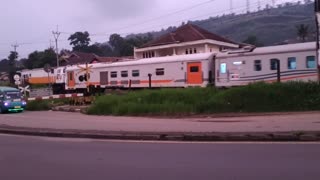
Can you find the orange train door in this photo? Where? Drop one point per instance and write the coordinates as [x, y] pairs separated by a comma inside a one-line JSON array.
[[194, 73], [71, 80]]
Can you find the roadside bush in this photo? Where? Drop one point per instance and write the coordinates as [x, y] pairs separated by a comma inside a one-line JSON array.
[[259, 97], [39, 105], [45, 105]]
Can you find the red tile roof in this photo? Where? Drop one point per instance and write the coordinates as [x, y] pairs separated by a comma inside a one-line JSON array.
[[83, 58], [186, 33]]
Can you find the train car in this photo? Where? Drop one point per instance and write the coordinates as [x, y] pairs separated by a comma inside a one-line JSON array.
[[297, 63], [37, 76], [170, 71], [55, 78]]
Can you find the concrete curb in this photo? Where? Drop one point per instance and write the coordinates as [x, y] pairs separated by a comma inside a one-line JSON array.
[[165, 136]]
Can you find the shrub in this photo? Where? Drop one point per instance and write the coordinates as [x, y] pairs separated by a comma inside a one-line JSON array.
[[259, 97]]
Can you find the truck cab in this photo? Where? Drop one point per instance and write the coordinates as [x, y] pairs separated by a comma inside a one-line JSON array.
[[11, 100]]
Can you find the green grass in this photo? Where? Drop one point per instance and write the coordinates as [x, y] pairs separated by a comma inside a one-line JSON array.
[[260, 97], [45, 105]]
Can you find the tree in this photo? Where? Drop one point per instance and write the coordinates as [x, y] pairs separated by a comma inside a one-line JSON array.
[[302, 31], [120, 46], [38, 59], [253, 40], [80, 41]]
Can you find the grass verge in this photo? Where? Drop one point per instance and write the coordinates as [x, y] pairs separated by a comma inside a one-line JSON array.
[[45, 105], [260, 97]]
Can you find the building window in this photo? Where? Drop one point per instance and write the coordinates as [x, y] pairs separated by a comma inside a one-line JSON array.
[[160, 72], [257, 65], [311, 62], [187, 52], [135, 73], [144, 55], [114, 74], [153, 54], [124, 73], [223, 68], [273, 64], [190, 50], [194, 69], [195, 50], [292, 63]]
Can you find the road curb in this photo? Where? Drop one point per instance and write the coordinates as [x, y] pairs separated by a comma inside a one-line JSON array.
[[166, 136]]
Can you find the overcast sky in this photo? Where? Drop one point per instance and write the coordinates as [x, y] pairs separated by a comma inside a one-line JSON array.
[[30, 22]]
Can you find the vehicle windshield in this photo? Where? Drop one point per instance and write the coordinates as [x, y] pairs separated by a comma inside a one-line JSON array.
[[13, 95]]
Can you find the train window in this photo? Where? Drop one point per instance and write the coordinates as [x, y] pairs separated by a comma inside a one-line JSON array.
[[311, 62], [223, 68], [273, 64], [292, 63], [135, 73], [194, 69], [114, 74], [160, 72], [257, 65], [124, 73], [195, 50]]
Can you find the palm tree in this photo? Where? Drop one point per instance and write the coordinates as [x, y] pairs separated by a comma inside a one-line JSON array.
[[302, 31]]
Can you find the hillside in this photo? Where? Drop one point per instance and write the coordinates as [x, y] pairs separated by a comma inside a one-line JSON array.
[[271, 25]]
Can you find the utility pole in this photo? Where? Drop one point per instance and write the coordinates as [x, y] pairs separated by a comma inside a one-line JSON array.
[[317, 14], [231, 6], [56, 35], [248, 6], [15, 46], [274, 3]]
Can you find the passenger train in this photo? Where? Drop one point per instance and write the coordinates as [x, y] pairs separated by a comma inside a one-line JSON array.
[[224, 69]]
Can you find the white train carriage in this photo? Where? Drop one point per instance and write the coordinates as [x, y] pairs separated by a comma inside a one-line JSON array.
[[37, 76], [170, 71], [297, 63], [56, 78]]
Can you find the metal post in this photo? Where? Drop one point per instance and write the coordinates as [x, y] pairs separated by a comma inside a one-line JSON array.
[[278, 71], [150, 75], [317, 14]]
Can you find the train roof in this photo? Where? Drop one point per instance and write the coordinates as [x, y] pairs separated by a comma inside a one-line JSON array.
[[166, 59], [5, 88], [309, 46]]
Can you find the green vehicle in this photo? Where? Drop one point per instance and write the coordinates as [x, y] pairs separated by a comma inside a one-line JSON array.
[[11, 100]]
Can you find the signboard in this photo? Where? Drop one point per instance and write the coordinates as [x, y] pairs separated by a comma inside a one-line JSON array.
[[17, 83], [16, 77]]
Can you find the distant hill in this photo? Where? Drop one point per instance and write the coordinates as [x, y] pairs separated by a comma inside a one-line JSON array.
[[270, 26]]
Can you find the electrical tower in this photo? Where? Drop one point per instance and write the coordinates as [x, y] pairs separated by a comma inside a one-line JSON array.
[[56, 35]]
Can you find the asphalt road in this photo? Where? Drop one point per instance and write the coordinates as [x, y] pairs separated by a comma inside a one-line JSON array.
[[50, 159], [304, 121]]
